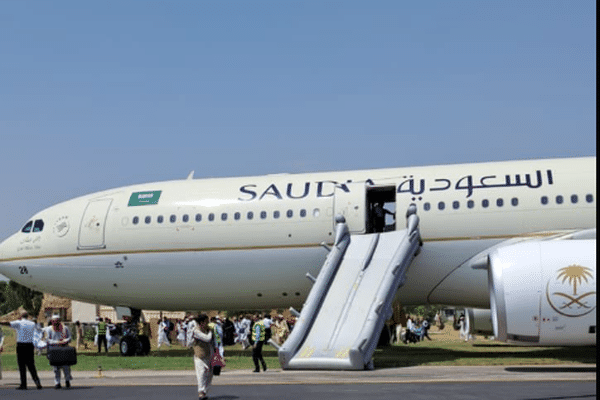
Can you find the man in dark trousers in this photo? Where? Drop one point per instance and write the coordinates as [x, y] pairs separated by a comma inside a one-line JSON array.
[[101, 334], [25, 330], [258, 337]]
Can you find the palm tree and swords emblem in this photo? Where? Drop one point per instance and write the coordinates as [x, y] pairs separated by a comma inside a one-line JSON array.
[[572, 305]]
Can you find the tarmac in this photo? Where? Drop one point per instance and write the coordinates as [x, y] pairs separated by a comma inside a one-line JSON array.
[[418, 374]]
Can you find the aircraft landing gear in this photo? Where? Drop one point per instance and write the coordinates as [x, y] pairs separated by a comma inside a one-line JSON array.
[[132, 342], [138, 345]]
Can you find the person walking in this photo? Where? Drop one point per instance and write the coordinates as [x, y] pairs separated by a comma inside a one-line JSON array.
[[203, 345], [425, 329], [163, 333], [25, 330], [258, 337], [59, 335]]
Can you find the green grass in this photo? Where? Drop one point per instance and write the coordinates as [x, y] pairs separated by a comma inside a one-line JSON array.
[[173, 359], [440, 351]]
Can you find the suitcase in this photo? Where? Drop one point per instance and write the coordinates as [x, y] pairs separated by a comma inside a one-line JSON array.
[[59, 355]]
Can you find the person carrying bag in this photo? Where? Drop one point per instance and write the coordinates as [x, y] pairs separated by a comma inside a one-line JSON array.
[[60, 355]]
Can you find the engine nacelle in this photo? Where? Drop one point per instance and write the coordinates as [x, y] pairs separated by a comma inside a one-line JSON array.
[[480, 321], [544, 293]]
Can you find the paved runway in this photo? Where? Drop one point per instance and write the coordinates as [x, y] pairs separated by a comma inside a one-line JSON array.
[[412, 391], [415, 383]]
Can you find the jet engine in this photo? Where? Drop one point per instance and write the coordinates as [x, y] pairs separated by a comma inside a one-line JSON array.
[[480, 321], [544, 293]]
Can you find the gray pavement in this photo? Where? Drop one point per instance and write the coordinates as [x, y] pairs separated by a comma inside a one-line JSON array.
[[420, 374]]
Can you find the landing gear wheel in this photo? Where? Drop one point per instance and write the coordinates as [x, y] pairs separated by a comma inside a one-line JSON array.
[[127, 346], [143, 345]]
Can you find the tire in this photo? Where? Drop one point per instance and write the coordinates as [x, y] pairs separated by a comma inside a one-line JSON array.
[[127, 346], [143, 347]]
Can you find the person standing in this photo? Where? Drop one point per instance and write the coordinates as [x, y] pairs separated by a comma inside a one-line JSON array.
[[59, 335], [25, 330], [379, 213], [79, 332], [268, 323], [204, 349], [258, 338], [217, 328], [463, 322], [101, 334], [244, 331], [1, 350]]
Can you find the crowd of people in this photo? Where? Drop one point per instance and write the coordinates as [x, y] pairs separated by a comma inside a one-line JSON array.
[[206, 336]]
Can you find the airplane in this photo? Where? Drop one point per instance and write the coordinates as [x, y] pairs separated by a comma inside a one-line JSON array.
[[515, 237]]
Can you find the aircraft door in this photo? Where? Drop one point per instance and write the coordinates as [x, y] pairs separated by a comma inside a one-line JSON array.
[[93, 223], [350, 201]]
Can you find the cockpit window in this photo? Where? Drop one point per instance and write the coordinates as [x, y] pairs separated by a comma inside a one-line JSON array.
[[27, 227], [38, 226]]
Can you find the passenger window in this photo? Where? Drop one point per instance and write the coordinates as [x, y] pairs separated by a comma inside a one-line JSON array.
[[198, 217], [135, 220], [148, 219], [514, 201], [173, 218], [559, 199], [224, 217], [441, 206], [275, 214], [456, 205], [27, 227], [426, 206], [499, 202], [485, 203], [470, 204], [250, 215], [186, 218], [211, 217], [574, 199], [544, 200], [263, 215], [290, 213], [589, 198], [316, 213], [160, 219], [237, 216], [302, 213]]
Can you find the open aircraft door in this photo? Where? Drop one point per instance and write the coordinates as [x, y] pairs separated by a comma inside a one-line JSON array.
[[93, 224], [350, 201]]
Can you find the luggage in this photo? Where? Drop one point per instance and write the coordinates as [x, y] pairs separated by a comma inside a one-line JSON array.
[[217, 363], [62, 355]]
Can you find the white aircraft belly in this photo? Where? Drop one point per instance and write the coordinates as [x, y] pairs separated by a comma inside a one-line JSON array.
[[249, 279], [254, 279]]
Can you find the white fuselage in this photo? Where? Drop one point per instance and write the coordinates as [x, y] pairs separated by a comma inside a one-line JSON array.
[[247, 243]]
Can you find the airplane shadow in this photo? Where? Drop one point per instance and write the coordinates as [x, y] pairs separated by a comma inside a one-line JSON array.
[[551, 369], [414, 355]]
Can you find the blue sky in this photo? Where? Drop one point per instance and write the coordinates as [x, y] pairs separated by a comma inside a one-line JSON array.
[[95, 95]]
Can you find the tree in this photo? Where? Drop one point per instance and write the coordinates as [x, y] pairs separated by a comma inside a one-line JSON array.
[[427, 311], [15, 295]]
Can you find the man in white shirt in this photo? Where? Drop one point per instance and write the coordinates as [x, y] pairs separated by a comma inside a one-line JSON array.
[[25, 330]]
